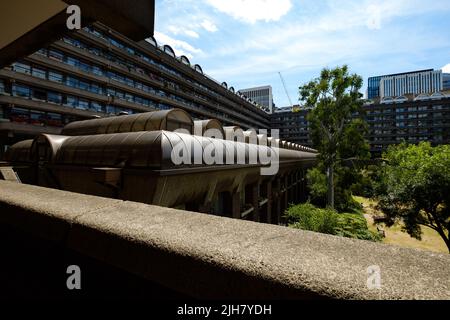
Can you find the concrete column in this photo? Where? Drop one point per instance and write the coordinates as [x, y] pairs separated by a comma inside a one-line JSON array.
[[276, 211], [232, 205], [252, 197], [269, 202]]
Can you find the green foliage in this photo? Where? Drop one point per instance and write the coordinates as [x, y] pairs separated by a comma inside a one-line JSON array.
[[309, 217], [414, 187], [337, 129], [354, 225], [335, 100], [317, 185]]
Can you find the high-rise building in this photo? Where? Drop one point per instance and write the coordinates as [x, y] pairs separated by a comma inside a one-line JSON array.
[[446, 81], [261, 95], [96, 72], [415, 82]]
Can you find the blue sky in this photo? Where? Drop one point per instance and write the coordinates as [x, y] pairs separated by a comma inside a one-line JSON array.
[[247, 42]]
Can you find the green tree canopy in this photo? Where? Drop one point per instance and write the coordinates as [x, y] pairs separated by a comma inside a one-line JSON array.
[[415, 187], [336, 123]]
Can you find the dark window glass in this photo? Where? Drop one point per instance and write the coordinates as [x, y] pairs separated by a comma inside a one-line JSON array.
[[39, 94], [19, 115], [83, 104], [95, 106], [84, 67], [83, 85], [37, 118], [96, 89], [72, 61], [2, 86], [54, 120], [57, 55], [129, 97], [21, 91], [97, 70], [110, 109], [55, 76], [22, 68], [72, 82], [40, 73], [71, 101], [54, 97]]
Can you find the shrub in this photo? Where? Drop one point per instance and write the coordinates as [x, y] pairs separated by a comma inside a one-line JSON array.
[[309, 217]]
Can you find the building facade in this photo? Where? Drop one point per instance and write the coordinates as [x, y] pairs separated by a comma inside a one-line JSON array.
[[417, 82], [292, 124], [410, 119], [96, 72], [261, 95]]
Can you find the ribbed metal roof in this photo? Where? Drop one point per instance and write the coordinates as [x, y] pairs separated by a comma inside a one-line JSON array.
[[149, 121], [154, 149], [210, 124]]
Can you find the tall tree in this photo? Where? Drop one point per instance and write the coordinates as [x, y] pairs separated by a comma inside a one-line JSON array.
[[336, 122], [415, 187]]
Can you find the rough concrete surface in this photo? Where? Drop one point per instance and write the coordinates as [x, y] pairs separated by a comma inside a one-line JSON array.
[[206, 256]]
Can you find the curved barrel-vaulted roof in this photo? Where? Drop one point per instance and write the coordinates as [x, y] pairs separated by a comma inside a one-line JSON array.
[[210, 124], [198, 68], [168, 49], [185, 60], [45, 147], [155, 150], [149, 121], [19, 152]]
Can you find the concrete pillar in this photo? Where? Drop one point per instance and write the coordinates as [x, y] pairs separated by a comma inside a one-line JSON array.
[[252, 197], [276, 211], [232, 204], [269, 201]]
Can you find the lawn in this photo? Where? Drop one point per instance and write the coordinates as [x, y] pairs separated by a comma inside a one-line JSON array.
[[430, 239]]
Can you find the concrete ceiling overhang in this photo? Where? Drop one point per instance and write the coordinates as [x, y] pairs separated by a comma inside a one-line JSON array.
[[27, 25]]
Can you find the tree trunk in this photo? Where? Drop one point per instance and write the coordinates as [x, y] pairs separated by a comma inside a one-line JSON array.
[[330, 187]]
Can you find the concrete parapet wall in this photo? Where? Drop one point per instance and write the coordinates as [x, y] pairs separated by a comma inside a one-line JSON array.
[[205, 256]]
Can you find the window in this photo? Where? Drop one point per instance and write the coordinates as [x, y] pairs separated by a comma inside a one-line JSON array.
[[72, 61], [37, 118], [56, 55], [21, 91], [110, 109], [83, 85], [55, 76], [19, 115], [42, 51], [22, 68], [84, 67], [129, 97], [71, 101], [72, 82], [39, 94], [54, 120], [95, 88], [95, 106], [40, 73], [129, 82], [97, 70], [2, 86], [83, 104], [54, 97]]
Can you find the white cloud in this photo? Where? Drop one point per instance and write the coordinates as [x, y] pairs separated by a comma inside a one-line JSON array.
[[209, 26], [446, 68], [180, 47], [182, 31], [252, 11]]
